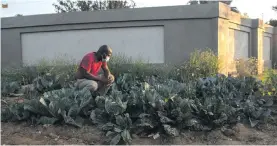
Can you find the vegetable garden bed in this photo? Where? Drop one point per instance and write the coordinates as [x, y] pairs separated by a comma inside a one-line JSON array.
[[161, 109]]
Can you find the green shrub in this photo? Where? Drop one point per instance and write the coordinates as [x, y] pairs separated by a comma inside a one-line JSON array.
[[122, 64], [269, 79], [58, 65], [247, 67], [23, 75], [62, 69], [200, 64]]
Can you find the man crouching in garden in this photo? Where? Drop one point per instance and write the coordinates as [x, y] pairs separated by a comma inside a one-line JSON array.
[[87, 74]]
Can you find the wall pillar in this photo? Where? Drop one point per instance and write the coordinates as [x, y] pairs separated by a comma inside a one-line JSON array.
[[222, 45], [257, 43], [274, 48]]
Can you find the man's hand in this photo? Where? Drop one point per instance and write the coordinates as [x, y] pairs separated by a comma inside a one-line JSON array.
[[104, 80], [108, 80], [106, 70], [111, 79], [88, 75]]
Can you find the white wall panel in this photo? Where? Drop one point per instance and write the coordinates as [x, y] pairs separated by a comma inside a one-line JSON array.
[[137, 42], [267, 52], [241, 50], [266, 48]]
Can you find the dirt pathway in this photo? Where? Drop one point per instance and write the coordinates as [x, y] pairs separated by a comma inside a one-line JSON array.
[[24, 133]]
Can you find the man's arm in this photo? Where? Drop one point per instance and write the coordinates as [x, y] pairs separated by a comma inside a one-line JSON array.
[[88, 75], [85, 68], [106, 70]]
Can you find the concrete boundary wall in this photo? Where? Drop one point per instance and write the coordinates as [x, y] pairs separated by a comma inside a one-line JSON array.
[[274, 46], [250, 40], [122, 15], [184, 28]]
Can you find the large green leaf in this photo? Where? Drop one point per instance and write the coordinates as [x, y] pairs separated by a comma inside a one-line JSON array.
[[99, 116], [47, 120], [70, 120], [115, 139], [36, 107], [114, 105], [15, 112], [8, 88], [170, 131], [126, 136]]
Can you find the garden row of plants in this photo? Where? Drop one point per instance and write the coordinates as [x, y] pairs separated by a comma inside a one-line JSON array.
[[145, 99]]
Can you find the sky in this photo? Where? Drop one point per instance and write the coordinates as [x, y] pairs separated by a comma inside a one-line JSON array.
[[254, 8]]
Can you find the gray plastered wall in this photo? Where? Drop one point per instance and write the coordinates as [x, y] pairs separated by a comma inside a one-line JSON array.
[[185, 28]]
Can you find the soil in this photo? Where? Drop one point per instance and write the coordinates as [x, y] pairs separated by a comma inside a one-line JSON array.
[[23, 133], [26, 134]]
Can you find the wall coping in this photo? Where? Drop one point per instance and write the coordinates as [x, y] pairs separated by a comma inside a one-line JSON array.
[[238, 18], [269, 29], [205, 11], [119, 15]]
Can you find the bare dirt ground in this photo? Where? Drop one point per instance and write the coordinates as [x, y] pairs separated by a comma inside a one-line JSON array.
[[24, 133]]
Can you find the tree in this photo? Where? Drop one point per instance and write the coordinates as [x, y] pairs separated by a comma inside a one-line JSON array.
[[17, 15], [63, 6], [193, 2], [274, 8], [273, 22]]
